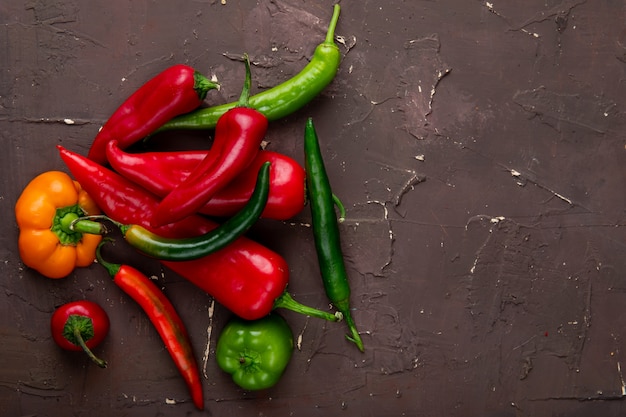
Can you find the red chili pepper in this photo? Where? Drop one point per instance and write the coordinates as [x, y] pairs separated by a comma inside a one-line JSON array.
[[176, 90], [238, 136], [161, 172], [165, 319], [245, 277]]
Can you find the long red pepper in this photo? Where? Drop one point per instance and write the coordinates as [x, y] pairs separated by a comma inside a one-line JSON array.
[[238, 136], [161, 172], [165, 319], [245, 277], [176, 90]]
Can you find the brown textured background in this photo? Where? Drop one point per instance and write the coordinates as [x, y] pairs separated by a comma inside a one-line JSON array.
[[479, 148]]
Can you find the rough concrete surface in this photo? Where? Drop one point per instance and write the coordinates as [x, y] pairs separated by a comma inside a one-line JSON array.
[[479, 148]]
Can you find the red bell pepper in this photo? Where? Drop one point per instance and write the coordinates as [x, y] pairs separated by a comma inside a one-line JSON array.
[[238, 136], [161, 172], [245, 277], [176, 90]]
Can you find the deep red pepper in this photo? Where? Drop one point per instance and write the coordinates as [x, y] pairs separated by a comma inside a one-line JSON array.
[[80, 325], [165, 319], [161, 172], [245, 277], [176, 90], [238, 136]]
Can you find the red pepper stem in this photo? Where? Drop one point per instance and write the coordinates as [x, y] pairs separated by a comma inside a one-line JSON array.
[[111, 267], [202, 85], [79, 338], [287, 301], [244, 99]]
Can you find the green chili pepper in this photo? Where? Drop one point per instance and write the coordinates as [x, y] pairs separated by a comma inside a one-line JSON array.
[[283, 99], [255, 353], [326, 231], [185, 249]]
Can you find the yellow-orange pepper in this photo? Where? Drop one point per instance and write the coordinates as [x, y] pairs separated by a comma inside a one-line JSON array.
[[51, 241]]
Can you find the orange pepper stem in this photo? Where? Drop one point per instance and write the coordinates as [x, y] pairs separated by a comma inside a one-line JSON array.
[[69, 228]]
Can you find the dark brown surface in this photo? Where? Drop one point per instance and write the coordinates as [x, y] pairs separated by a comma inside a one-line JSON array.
[[479, 148]]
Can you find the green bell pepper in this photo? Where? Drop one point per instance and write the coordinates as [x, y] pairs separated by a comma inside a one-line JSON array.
[[255, 352]]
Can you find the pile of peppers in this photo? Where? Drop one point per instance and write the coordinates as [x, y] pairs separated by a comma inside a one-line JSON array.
[[190, 210]]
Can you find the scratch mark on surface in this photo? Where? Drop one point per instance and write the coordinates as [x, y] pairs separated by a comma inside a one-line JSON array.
[[301, 335], [621, 378], [419, 83], [207, 349], [491, 8], [561, 9], [577, 109], [522, 180], [493, 221]]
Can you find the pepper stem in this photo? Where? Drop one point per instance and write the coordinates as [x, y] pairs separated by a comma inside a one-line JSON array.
[[287, 301], [202, 85], [111, 267], [65, 220], [244, 99], [341, 208], [330, 34], [81, 327], [71, 222], [354, 335]]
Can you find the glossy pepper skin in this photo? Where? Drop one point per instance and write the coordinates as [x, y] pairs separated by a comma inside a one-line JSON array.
[[161, 172], [245, 277], [48, 241], [326, 231], [80, 325], [186, 249], [237, 141], [283, 99], [176, 90], [165, 319], [255, 353]]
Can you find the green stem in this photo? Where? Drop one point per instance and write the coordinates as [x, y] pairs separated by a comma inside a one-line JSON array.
[[354, 335], [202, 85], [286, 301], [79, 338], [330, 34], [111, 268], [341, 208], [244, 99], [71, 222]]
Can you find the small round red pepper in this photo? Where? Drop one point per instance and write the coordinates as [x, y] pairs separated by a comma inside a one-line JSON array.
[[80, 325]]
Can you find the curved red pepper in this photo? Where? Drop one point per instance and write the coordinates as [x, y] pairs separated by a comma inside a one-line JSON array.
[[238, 136], [176, 90], [245, 277], [165, 319], [161, 172]]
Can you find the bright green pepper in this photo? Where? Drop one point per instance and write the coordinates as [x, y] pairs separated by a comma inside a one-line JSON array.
[[255, 352]]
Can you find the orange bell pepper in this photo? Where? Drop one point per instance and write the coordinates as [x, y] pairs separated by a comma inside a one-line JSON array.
[[51, 240]]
